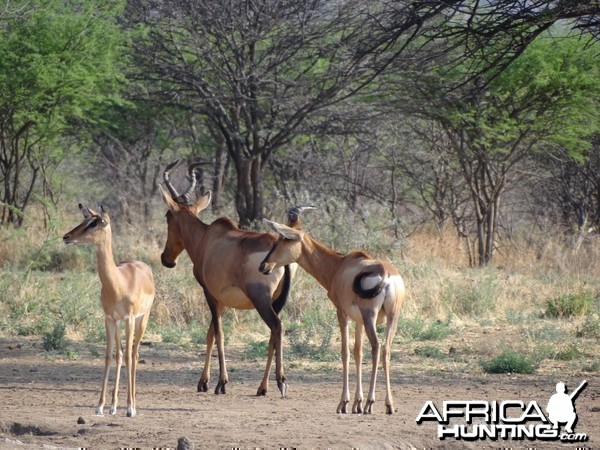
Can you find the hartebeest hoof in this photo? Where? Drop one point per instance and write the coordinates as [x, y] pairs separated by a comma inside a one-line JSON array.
[[203, 386], [357, 406], [220, 389], [342, 407], [282, 388]]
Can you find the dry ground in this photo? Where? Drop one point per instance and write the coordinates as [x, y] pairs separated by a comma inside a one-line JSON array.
[[42, 399]]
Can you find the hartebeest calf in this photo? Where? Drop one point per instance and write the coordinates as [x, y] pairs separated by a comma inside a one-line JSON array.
[[225, 260], [361, 288]]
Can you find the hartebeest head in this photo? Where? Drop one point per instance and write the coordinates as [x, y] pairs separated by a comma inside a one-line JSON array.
[[286, 250], [179, 204], [93, 230]]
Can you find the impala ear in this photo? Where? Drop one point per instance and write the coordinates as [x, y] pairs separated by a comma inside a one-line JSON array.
[[284, 230], [87, 213], [103, 214]]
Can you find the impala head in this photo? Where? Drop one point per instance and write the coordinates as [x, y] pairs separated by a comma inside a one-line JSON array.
[[92, 230], [179, 205], [286, 250]]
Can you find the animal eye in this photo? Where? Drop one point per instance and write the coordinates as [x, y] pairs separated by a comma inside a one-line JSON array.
[[92, 224]]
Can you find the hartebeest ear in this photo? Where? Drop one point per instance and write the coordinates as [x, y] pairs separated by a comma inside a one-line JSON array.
[[201, 203], [172, 204], [284, 230]]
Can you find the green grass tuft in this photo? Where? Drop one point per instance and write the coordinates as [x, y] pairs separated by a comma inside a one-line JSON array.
[[508, 362]]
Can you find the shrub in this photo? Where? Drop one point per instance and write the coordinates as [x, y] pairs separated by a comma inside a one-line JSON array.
[[429, 352], [568, 305], [55, 339], [508, 362]]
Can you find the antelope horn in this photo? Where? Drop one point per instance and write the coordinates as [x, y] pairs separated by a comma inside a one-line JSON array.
[[192, 172], [166, 175], [294, 214]]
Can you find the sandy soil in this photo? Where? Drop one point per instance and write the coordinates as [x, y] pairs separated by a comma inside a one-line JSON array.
[[43, 398]]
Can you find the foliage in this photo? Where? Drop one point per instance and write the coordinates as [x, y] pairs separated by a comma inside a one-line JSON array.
[[420, 330], [568, 305], [508, 362], [429, 351], [55, 339], [60, 62]]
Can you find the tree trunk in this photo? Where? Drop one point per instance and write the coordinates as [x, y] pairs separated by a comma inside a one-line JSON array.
[[249, 199]]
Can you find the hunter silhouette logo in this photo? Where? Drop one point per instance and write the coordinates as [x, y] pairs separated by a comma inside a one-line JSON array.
[[561, 409], [508, 419]]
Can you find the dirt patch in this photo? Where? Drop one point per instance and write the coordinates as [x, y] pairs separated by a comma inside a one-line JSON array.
[[50, 402]]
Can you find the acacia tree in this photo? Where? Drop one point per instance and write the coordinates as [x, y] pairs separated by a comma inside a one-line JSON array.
[[546, 97], [253, 70], [57, 65]]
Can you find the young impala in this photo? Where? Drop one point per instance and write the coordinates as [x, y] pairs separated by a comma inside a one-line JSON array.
[[127, 295], [361, 288], [225, 259]]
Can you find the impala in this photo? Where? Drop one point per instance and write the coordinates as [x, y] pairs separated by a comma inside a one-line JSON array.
[[127, 295], [363, 289], [225, 259]]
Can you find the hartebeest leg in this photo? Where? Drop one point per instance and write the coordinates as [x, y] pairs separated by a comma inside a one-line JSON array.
[[217, 312], [390, 332], [369, 319], [270, 317], [205, 377], [343, 321], [358, 355]]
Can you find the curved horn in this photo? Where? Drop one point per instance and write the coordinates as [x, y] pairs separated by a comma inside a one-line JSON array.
[[192, 172], [166, 175], [293, 213]]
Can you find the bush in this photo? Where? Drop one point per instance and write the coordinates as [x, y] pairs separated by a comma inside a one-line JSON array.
[[429, 352], [569, 305], [55, 339], [508, 362]]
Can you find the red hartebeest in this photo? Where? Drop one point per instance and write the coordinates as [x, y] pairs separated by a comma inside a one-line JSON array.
[[361, 288], [127, 295], [225, 260]]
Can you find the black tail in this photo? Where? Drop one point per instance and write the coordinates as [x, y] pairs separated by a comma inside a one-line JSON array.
[[279, 303], [374, 291]]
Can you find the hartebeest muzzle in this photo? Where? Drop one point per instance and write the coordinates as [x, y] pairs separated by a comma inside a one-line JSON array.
[[168, 264]]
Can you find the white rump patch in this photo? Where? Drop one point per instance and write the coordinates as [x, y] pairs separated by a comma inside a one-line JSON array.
[[370, 282]]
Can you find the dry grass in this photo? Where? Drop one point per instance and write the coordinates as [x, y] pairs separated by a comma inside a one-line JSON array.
[[489, 309]]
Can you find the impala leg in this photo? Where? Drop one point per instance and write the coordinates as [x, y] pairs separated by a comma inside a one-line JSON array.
[[372, 335], [130, 365], [110, 337], [119, 360], [270, 317], [390, 332], [205, 377], [358, 355], [217, 312], [343, 321]]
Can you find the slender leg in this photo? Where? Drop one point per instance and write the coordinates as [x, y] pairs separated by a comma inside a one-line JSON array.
[[129, 330], [390, 332], [264, 385], [217, 311], [119, 359], [343, 321], [140, 328], [270, 317], [369, 318], [205, 377], [109, 325], [358, 355]]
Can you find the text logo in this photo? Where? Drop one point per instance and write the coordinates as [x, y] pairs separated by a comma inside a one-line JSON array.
[[509, 419]]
